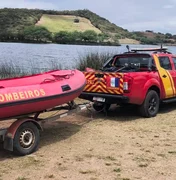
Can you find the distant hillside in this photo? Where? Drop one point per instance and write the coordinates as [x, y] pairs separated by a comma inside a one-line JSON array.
[[43, 25], [56, 23], [150, 37], [15, 20]]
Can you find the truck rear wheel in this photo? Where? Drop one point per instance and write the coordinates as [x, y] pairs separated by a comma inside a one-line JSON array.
[[26, 139], [150, 106]]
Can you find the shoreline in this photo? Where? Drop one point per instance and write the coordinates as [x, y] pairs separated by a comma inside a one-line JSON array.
[[84, 44]]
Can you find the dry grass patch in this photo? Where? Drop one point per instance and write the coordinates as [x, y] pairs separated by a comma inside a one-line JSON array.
[[108, 158], [143, 165], [79, 159], [49, 176], [61, 168], [30, 161], [117, 170], [87, 171], [88, 155], [56, 23], [22, 178], [172, 152]]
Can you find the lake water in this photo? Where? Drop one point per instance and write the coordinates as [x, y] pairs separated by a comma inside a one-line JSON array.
[[44, 55]]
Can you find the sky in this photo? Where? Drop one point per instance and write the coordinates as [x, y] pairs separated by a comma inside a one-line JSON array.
[[134, 15]]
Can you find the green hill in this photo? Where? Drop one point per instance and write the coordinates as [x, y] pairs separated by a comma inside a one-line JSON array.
[[14, 21], [40, 25]]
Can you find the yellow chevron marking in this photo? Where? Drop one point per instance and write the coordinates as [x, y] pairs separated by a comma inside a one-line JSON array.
[[93, 84]]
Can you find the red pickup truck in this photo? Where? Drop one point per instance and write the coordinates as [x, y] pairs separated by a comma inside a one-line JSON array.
[[135, 77]]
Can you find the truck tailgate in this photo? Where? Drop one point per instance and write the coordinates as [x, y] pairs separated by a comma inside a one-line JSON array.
[[102, 82]]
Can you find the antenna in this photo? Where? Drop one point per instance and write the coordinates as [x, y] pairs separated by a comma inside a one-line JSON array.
[[128, 48]]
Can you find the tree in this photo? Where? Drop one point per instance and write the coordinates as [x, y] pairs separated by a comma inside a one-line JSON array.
[[168, 36], [89, 36], [63, 37], [174, 36], [37, 33], [102, 37], [77, 36]]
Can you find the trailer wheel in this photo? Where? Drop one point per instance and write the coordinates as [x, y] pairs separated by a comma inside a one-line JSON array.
[[26, 139], [150, 106], [101, 106]]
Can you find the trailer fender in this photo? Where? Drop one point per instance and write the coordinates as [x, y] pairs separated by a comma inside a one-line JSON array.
[[8, 140]]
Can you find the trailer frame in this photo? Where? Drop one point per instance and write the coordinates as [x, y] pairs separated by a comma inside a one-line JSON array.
[[23, 136]]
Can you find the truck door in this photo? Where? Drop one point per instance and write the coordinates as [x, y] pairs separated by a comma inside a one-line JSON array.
[[174, 71], [166, 73]]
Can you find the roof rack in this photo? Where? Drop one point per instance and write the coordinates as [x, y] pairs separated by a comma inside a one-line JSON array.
[[155, 50], [159, 49]]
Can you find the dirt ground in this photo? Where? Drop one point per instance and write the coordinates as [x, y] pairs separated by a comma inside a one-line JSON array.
[[93, 146]]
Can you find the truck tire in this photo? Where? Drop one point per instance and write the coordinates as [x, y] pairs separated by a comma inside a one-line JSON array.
[[101, 107], [26, 139], [150, 106]]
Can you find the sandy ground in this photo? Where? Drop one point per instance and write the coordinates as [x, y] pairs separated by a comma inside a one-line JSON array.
[[93, 146]]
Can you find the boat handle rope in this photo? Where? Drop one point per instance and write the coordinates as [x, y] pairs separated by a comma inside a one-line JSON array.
[[58, 77], [65, 76], [48, 80]]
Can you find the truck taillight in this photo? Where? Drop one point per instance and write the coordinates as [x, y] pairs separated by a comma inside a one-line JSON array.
[[127, 83]]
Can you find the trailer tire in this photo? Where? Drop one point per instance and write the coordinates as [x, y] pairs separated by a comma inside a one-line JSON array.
[[26, 139], [150, 106]]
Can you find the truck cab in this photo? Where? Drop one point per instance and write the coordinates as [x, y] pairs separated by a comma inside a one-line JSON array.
[[144, 77]]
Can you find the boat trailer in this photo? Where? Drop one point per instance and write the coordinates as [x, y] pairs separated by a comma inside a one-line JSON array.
[[23, 135]]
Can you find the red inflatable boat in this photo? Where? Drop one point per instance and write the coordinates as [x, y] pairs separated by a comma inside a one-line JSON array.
[[35, 93]]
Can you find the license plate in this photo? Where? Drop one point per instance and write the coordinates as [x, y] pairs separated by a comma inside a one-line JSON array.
[[99, 99]]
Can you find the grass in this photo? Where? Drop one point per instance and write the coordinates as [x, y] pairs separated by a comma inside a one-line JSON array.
[[56, 23], [94, 60], [117, 170], [88, 155], [172, 152], [61, 168], [143, 165], [10, 70], [87, 171], [107, 158], [161, 155], [49, 176], [30, 161], [111, 158], [79, 159], [22, 178], [108, 164]]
